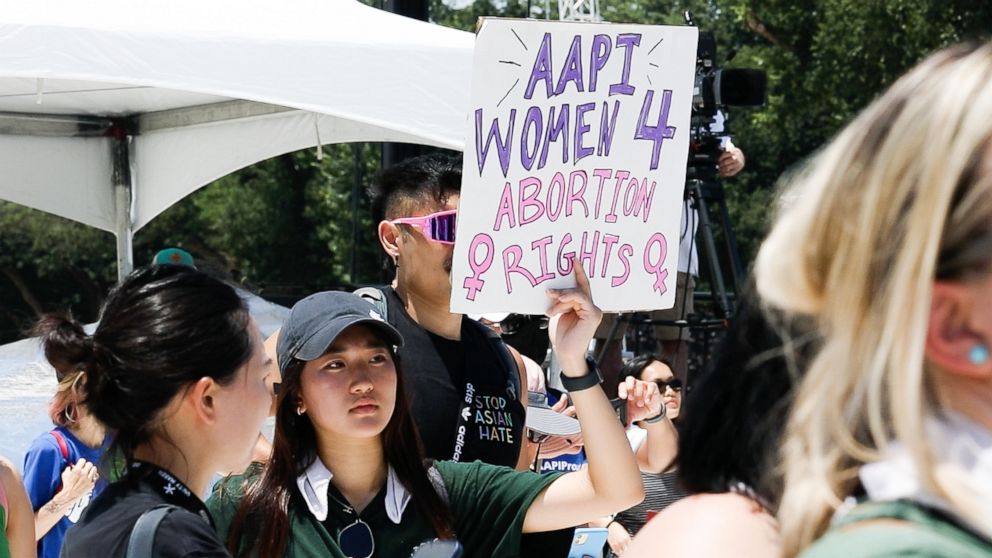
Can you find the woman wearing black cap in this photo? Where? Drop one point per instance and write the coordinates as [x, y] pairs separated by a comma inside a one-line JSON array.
[[347, 477]]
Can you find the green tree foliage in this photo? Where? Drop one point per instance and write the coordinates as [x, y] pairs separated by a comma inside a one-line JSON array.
[[285, 225]]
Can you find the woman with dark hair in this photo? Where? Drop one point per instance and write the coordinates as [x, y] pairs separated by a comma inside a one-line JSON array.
[[60, 466], [348, 478], [176, 371], [728, 446], [655, 444]]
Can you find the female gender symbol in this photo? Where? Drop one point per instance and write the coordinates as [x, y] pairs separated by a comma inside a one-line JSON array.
[[660, 273], [474, 283]]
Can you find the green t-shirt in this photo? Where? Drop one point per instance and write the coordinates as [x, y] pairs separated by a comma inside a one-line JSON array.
[[488, 502], [4, 545], [916, 531]]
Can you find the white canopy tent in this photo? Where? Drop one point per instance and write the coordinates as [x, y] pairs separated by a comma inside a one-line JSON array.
[[113, 110]]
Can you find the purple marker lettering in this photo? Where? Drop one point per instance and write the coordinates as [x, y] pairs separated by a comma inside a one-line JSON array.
[[530, 188], [565, 258], [659, 133], [603, 175], [601, 46], [626, 41], [577, 195], [505, 209], [658, 269], [511, 264], [608, 241], [620, 175], [534, 120], [502, 145], [588, 257], [625, 252], [541, 245], [541, 70], [554, 209], [581, 128], [475, 283], [572, 70], [606, 129], [556, 128]]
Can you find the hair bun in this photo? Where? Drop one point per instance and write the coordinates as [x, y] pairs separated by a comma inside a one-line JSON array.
[[67, 345]]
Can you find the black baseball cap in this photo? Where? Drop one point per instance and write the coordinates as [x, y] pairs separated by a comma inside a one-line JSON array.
[[317, 320]]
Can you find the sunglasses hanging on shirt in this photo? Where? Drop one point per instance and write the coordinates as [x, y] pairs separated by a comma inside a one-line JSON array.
[[439, 227], [355, 540]]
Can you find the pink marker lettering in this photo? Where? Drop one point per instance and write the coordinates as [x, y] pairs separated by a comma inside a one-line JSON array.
[[474, 283], [625, 252], [511, 264], [660, 273], [541, 245], [565, 258]]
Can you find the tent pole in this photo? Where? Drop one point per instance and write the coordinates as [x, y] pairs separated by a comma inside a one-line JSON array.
[[123, 183]]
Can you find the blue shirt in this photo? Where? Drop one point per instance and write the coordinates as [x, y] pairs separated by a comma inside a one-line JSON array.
[[43, 466]]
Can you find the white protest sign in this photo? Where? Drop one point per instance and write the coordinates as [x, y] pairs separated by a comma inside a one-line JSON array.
[[577, 142]]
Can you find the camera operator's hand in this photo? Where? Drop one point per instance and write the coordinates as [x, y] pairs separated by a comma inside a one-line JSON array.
[[731, 161]]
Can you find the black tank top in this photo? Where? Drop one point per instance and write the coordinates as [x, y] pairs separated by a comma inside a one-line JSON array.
[[463, 399]]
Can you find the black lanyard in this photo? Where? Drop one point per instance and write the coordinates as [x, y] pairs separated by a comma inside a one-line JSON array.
[[171, 489]]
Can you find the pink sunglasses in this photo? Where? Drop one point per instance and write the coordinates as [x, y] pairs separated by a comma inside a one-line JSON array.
[[439, 227]]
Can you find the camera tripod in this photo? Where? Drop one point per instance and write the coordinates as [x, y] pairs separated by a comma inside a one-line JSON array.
[[704, 194]]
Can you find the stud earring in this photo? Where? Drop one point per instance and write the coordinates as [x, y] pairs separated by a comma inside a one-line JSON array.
[[979, 354]]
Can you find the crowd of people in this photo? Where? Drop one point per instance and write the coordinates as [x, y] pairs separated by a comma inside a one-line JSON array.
[[847, 412]]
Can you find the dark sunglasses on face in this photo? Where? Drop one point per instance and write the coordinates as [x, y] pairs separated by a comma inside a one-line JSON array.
[[439, 227], [675, 384]]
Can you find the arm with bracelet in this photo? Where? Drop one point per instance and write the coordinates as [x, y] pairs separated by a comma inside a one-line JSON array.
[[611, 482], [658, 452]]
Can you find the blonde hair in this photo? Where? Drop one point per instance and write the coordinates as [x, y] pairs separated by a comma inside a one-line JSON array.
[[63, 409], [897, 199]]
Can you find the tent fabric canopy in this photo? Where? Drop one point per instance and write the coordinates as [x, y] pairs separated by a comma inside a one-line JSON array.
[[113, 110]]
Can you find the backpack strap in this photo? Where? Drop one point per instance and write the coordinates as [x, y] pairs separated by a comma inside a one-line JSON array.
[[63, 446], [505, 356], [376, 297], [140, 543]]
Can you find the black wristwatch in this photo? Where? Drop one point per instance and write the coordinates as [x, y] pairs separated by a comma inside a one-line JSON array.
[[590, 379]]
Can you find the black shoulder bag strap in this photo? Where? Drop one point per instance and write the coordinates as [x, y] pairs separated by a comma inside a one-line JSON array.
[[505, 356], [140, 544]]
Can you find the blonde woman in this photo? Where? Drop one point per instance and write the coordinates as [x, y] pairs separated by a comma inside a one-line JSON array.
[[886, 243]]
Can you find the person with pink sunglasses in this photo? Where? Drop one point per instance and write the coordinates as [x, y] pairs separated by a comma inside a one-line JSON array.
[[450, 360]]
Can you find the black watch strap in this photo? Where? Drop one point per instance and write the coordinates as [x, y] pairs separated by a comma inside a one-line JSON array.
[[590, 379]]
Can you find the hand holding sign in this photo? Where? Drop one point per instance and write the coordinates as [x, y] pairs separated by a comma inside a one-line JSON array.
[[574, 319]]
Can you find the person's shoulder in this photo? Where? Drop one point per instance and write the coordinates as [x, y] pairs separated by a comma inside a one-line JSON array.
[[45, 442], [883, 529], [716, 525], [189, 534], [229, 490]]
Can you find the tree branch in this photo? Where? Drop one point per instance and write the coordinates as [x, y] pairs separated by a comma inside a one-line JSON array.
[[755, 25], [22, 287]]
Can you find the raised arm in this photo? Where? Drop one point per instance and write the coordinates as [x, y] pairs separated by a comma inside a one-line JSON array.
[[658, 452], [611, 482]]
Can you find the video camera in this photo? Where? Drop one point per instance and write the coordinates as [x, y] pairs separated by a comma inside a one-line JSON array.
[[716, 89]]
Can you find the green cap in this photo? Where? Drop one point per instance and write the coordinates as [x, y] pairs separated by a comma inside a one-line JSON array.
[[173, 256]]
